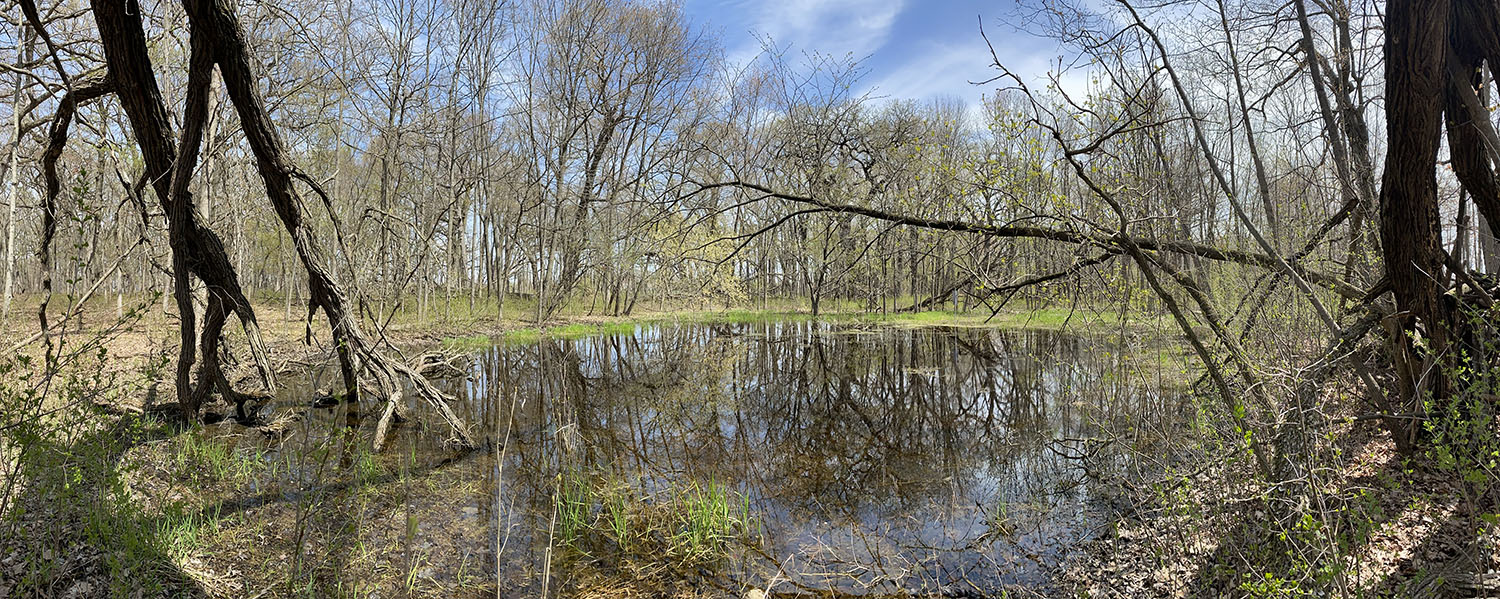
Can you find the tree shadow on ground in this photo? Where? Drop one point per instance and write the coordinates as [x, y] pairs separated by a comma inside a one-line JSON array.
[[330, 526], [1450, 561], [1390, 530], [75, 529]]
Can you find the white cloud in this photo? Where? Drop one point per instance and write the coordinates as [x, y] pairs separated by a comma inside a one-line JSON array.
[[858, 27], [945, 69], [950, 69], [930, 51], [1040, 68]]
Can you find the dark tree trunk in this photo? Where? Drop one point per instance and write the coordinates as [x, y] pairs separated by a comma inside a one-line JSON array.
[[1475, 38], [1467, 153], [196, 249], [180, 220], [1415, 47], [217, 23]]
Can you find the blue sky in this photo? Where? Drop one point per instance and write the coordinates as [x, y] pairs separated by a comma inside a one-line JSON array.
[[912, 48]]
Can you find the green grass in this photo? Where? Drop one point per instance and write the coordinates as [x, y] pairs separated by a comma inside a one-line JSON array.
[[690, 523], [1058, 318], [617, 328], [181, 532], [523, 336], [617, 516], [573, 331], [744, 316], [82, 480], [367, 469], [579, 318], [145, 549], [469, 342], [712, 516], [207, 459], [574, 506], [928, 318], [622, 326]]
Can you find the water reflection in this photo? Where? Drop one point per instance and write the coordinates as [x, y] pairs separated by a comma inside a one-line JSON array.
[[872, 461]]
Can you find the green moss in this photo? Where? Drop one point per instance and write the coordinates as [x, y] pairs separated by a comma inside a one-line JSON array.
[[468, 342], [523, 336], [572, 331]]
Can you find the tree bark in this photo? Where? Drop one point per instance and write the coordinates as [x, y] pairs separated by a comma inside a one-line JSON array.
[[1415, 47], [218, 23], [1466, 150], [13, 186], [179, 220], [124, 40]]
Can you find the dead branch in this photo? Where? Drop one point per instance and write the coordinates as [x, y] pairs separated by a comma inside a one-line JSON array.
[[1328, 281]]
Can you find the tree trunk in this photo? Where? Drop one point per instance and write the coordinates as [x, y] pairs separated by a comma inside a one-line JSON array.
[[1489, 246], [218, 23], [1415, 46], [13, 186], [134, 82]]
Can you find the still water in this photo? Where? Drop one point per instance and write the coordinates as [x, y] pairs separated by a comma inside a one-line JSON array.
[[802, 456]]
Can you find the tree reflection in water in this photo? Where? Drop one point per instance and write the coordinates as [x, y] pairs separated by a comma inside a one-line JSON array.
[[872, 461]]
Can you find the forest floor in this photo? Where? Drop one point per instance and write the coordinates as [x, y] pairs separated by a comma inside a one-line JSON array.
[[131, 502], [1366, 523]]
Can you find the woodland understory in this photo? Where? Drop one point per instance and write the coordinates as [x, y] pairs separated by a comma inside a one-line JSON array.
[[206, 197]]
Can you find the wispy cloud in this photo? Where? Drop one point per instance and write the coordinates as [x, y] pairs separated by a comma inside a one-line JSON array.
[[943, 69], [858, 27], [912, 50], [954, 66]]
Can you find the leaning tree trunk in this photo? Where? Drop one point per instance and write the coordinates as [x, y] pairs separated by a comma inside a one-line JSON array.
[[1473, 144], [220, 28], [196, 249]]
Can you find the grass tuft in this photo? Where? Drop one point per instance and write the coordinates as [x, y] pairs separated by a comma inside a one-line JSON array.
[[692, 524], [712, 516]]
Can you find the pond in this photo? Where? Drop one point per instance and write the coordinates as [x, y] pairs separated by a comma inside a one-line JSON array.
[[806, 457]]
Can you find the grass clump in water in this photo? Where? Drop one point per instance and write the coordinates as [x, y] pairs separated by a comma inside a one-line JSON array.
[[574, 502], [581, 330], [929, 317], [617, 516], [711, 515], [367, 469], [617, 328], [532, 335], [523, 336], [690, 524], [752, 316], [572, 331]]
